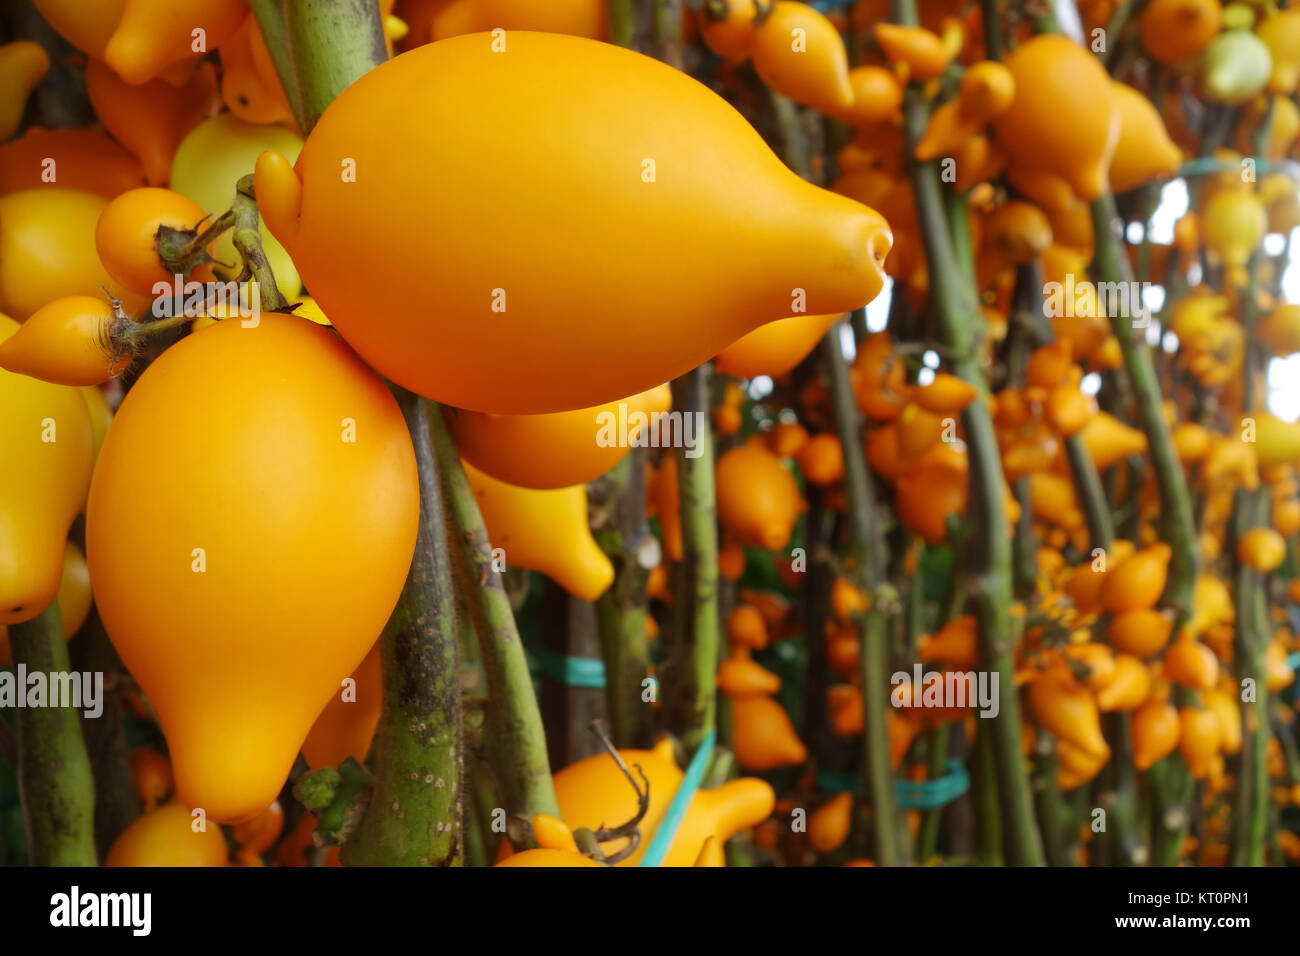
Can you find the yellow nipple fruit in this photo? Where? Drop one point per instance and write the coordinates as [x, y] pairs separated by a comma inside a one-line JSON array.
[[65, 342], [543, 530], [1198, 739], [594, 793], [1155, 732], [46, 433], [798, 53], [1189, 663], [829, 824], [505, 248], [1174, 30], [47, 250], [23, 64], [1233, 224], [73, 596], [87, 26], [559, 449], [775, 348], [169, 836], [278, 590], [1109, 441], [1236, 67], [739, 676], [154, 34], [1063, 119], [763, 736], [921, 52], [1262, 549], [243, 89], [758, 499], [1067, 709], [1280, 329], [1144, 150], [1128, 687], [1141, 632], [986, 92], [1138, 581], [555, 846], [346, 727], [1281, 34]]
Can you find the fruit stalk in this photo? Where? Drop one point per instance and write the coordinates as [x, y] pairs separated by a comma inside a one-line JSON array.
[[868, 561], [55, 787], [517, 738], [621, 611], [414, 817], [695, 652], [988, 557]]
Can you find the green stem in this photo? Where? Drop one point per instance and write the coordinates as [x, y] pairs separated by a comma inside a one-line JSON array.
[[868, 572], [621, 610], [517, 738], [54, 780], [988, 557], [271, 21], [984, 797], [927, 840], [622, 23], [695, 652], [415, 815], [323, 67], [1087, 484], [1178, 526], [1048, 800]]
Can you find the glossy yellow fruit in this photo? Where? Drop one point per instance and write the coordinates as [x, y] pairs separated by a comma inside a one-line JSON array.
[[829, 824], [1223, 703], [169, 836], [1068, 710], [1189, 663], [775, 348], [1141, 632], [758, 499], [1174, 30], [798, 53], [1234, 223], [279, 589], [1144, 150], [1138, 581], [545, 530], [65, 342], [738, 676], [346, 726], [547, 858], [87, 26], [46, 433], [22, 65], [47, 250], [763, 737], [1128, 686], [1280, 329], [1262, 549], [1199, 738], [211, 159], [154, 34], [593, 792], [1109, 441], [1155, 732], [74, 599], [1054, 77], [1281, 34], [560, 449], [505, 248]]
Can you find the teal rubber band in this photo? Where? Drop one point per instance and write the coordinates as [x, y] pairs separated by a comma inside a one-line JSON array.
[[667, 829], [931, 794], [571, 671], [915, 795]]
